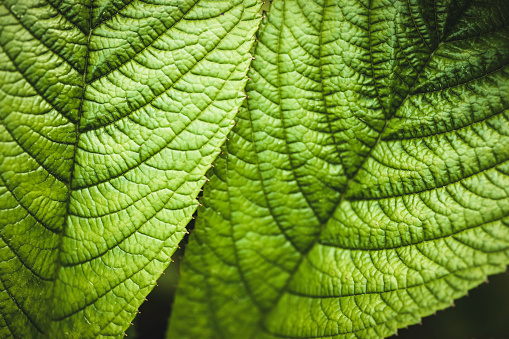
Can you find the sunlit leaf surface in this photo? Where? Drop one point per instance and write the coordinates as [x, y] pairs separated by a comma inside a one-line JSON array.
[[111, 112], [366, 183]]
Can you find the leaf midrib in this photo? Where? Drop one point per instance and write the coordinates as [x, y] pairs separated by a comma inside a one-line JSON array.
[[73, 165]]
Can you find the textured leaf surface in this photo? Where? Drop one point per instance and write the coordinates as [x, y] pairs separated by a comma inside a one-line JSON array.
[[367, 182], [111, 113]]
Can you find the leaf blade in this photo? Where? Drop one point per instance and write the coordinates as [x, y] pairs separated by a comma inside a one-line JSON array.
[[99, 176], [415, 202]]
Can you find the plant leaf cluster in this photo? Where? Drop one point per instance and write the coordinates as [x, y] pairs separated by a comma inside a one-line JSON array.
[[364, 183]]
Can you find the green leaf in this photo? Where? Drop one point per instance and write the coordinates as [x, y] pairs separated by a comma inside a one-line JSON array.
[[111, 113], [366, 184]]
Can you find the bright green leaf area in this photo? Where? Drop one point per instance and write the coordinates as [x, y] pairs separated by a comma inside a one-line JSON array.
[[366, 184], [111, 112]]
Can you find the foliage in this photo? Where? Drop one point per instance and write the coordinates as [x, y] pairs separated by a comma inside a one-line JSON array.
[[366, 184], [111, 113]]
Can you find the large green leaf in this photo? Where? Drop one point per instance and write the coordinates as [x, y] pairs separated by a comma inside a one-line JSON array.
[[111, 113], [367, 182]]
